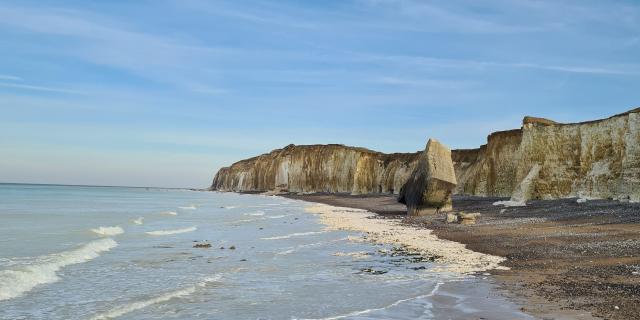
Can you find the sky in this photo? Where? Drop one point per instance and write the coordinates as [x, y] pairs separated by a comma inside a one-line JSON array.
[[165, 92]]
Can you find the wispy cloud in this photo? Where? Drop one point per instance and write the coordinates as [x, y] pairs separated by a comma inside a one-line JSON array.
[[37, 88], [104, 41], [9, 77], [431, 62], [431, 83]]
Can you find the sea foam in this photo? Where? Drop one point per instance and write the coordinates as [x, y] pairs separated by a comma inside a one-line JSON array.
[[298, 234], [108, 231], [191, 207], [17, 281], [138, 221], [137, 305], [169, 213], [168, 232]]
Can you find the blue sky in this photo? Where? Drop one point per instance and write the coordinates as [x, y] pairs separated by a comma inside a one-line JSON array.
[[163, 93]]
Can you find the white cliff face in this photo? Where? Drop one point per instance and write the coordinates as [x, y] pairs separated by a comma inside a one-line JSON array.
[[319, 168], [594, 160], [597, 159]]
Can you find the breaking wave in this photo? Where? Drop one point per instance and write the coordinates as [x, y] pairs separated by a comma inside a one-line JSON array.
[[137, 305], [16, 282], [108, 231], [191, 207], [168, 232], [298, 234], [138, 221], [255, 214], [169, 213]]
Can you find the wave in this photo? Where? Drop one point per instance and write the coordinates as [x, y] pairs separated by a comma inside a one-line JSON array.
[[138, 221], [108, 231], [137, 305], [367, 311], [168, 232], [16, 282], [191, 207], [255, 214], [169, 213], [278, 216], [302, 246], [298, 234], [230, 207]]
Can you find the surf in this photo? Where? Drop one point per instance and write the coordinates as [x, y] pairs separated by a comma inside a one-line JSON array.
[[16, 282], [137, 305], [169, 232], [108, 231]]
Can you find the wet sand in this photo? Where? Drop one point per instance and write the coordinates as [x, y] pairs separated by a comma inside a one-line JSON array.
[[565, 259]]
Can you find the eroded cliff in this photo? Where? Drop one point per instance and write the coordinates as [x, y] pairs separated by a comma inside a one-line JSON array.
[[596, 159], [319, 168]]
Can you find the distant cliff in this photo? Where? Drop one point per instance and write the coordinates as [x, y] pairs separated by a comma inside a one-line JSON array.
[[319, 168], [596, 159]]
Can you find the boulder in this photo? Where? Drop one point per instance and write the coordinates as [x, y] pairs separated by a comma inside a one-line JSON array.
[[431, 184]]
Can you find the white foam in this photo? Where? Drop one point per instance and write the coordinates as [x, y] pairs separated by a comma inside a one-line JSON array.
[[16, 282], [138, 221], [298, 234], [168, 232], [294, 249], [169, 213], [367, 311], [278, 216], [581, 200], [255, 214], [230, 207], [108, 231], [137, 305], [191, 207]]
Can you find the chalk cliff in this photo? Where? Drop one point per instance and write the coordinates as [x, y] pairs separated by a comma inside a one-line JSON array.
[[319, 168], [595, 159], [543, 159]]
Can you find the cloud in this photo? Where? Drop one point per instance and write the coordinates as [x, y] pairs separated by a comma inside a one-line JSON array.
[[432, 62], [37, 88], [103, 41], [441, 84], [9, 77]]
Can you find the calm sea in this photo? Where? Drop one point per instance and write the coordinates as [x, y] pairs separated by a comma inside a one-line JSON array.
[[69, 252]]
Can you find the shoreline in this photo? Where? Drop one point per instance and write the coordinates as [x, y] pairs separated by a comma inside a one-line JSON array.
[[566, 260]]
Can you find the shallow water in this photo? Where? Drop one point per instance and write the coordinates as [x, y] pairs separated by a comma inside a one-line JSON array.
[[106, 252]]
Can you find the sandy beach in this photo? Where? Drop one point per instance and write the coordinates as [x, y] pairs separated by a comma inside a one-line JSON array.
[[560, 259]]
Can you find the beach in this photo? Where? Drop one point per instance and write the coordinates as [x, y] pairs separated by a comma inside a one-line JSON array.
[[558, 258]]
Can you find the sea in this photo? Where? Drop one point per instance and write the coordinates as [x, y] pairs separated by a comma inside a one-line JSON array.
[[80, 252]]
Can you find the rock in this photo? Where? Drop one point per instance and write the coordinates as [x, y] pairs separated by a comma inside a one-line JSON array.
[[221, 248], [524, 190], [452, 218], [232, 248], [468, 216], [431, 184], [202, 245]]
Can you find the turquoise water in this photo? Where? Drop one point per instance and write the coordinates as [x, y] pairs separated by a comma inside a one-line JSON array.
[[69, 252]]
